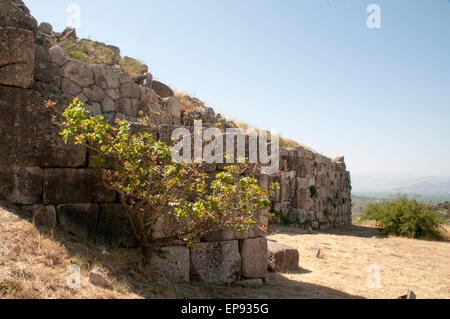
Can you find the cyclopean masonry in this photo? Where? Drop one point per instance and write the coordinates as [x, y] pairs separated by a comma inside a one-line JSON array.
[[58, 186]]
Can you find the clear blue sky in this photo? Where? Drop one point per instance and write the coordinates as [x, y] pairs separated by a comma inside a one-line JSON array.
[[311, 69]]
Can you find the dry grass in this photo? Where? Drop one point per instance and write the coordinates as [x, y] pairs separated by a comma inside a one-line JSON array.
[[423, 266], [132, 66], [92, 52], [186, 101], [33, 264]]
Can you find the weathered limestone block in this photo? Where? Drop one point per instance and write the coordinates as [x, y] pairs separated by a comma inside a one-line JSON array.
[[161, 89], [254, 257], [79, 220], [46, 28], [114, 227], [41, 215], [282, 258], [173, 265], [70, 87], [108, 105], [105, 77], [78, 72], [44, 39], [127, 106], [75, 186], [285, 191], [113, 93], [58, 55], [149, 96], [124, 77], [48, 72], [14, 13], [217, 263], [16, 57], [47, 89], [94, 93], [21, 185], [172, 106], [42, 54], [130, 90]]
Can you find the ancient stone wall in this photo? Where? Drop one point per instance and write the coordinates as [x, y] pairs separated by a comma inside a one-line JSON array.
[[56, 185], [315, 190]]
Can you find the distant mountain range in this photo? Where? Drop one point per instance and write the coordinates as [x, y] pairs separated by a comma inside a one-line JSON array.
[[429, 188]]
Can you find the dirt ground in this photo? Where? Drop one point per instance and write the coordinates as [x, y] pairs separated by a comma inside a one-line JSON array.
[[33, 264], [352, 257]]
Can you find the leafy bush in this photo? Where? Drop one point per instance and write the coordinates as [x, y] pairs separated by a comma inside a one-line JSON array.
[[313, 191], [405, 217], [153, 188]]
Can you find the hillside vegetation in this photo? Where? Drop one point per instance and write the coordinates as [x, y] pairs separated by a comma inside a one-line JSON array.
[[406, 217], [92, 52]]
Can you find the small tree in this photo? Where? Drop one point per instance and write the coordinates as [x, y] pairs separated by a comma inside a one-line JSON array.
[[405, 217], [153, 188]]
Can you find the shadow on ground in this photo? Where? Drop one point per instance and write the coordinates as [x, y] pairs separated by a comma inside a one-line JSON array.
[[341, 230], [124, 267]]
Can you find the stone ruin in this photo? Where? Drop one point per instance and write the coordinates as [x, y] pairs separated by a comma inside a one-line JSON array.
[[56, 184]]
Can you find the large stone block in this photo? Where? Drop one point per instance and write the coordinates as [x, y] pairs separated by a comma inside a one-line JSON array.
[[105, 77], [114, 227], [127, 106], [79, 220], [48, 72], [161, 89], [28, 137], [216, 263], [173, 264], [78, 72], [58, 55], [17, 57], [42, 54], [130, 90], [21, 185], [94, 94], [63, 186], [172, 106], [41, 215], [254, 257], [14, 13], [282, 258]]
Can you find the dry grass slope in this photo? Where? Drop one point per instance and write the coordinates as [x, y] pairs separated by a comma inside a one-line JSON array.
[[33, 264], [92, 52]]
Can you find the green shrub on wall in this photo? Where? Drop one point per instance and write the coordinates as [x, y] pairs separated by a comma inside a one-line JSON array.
[[152, 187]]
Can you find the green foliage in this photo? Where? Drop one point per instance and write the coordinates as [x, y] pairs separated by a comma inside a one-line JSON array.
[[313, 191], [92, 52], [277, 214], [153, 187], [405, 217]]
